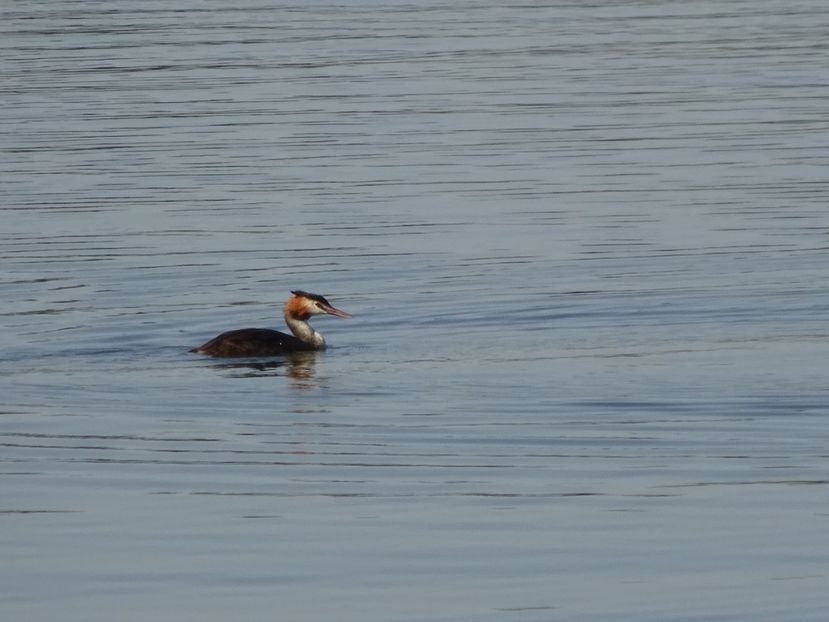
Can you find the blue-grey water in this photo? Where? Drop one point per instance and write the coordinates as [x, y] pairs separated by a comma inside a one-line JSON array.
[[585, 247]]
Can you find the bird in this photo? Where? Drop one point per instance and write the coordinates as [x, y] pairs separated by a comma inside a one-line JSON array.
[[266, 342]]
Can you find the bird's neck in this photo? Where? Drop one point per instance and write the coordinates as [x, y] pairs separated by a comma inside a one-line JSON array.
[[303, 331]]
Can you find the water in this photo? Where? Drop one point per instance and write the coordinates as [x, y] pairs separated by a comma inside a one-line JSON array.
[[585, 248]]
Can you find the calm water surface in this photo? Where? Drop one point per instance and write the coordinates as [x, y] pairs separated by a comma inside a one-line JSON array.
[[585, 246]]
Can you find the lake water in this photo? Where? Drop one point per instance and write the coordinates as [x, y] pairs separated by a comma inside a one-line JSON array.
[[585, 247]]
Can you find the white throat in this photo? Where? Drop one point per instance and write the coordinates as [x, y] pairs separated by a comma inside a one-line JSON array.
[[303, 331]]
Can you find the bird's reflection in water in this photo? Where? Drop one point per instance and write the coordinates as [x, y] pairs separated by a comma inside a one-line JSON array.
[[298, 366]]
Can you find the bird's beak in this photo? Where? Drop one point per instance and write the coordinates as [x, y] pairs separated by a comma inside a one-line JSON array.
[[337, 312]]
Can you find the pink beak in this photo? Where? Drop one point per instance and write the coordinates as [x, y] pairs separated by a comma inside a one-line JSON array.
[[337, 312]]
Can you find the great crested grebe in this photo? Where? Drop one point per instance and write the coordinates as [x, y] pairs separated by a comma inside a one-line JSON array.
[[266, 342]]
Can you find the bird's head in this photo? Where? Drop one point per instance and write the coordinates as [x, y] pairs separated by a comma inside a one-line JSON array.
[[304, 304]]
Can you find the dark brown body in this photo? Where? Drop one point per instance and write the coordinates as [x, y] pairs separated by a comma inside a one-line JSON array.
[[252, 342]]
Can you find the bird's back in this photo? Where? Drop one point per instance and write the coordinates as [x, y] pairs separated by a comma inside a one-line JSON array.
[[252, 342]]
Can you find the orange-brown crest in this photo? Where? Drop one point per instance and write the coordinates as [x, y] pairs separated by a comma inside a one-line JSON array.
[[298, 307]]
